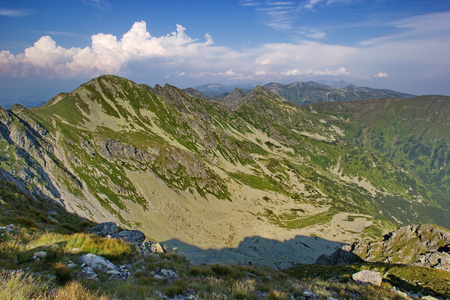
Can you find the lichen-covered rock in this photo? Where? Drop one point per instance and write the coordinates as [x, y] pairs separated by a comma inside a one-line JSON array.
[[366, 276], [97, 262], [437, 260], [413, 244]]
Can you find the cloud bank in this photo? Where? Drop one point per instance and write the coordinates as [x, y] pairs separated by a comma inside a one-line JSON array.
[[418, 51], [179, 53]]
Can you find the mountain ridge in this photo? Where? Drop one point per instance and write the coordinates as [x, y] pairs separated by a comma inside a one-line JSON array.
[[303, 93], [176, 166]]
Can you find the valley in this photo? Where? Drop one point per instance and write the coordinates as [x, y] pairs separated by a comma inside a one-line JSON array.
[[211, 174]]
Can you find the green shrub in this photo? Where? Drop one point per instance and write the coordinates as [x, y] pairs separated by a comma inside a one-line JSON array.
[[221, 270], [62, 272]]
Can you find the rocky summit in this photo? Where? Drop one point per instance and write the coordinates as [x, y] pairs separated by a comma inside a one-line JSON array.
[[233, 177]]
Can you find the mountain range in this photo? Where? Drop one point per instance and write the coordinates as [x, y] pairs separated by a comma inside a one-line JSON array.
[[302, 93], [213, 173]]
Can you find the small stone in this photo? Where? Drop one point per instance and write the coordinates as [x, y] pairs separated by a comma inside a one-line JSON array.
[[39, 255], [156, 248]]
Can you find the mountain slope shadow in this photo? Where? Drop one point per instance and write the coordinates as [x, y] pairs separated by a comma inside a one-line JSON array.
[[261, 251]]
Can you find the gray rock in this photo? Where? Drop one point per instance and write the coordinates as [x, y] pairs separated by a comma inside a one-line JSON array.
[[105, 229], [166, 274], [366, 276], [97, 262], [39, 255], [132, 236], [89, 273], [437, 260]]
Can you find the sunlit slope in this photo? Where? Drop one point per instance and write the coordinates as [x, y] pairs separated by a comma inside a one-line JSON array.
[[178, 167]]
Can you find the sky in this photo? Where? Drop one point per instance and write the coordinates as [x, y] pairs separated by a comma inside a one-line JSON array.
[[53, 46]]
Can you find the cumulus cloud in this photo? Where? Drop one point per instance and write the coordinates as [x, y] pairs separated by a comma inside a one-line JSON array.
[[106, 54], [381, 75]]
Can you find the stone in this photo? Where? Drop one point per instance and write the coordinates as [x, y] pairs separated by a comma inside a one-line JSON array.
[[89, 273], [105, 229], [166, 274], [132, 236], [39, 255], [366, 276], [156, 248], [97, 262]]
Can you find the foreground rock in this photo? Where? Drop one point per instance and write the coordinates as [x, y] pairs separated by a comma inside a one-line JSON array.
[[366, 276], [97, 262]]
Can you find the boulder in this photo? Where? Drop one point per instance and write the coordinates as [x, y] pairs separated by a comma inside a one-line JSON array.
[[366, 276], [97, 262], [105, 229], [131, 236]]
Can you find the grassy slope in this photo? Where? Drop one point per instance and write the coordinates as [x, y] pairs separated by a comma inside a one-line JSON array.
[[52, 278]]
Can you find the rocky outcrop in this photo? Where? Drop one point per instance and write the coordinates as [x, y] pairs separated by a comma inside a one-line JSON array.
[[418, 245], [414, 244]]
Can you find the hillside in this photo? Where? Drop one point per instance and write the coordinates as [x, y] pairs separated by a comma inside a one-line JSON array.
[[202, 173]]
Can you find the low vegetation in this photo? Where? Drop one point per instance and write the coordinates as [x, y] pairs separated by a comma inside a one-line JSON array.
[[59, 274]]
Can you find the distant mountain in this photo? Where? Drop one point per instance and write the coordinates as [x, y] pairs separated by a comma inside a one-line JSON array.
[[338, 84], [196, 93], [303, 93], [217, 91]]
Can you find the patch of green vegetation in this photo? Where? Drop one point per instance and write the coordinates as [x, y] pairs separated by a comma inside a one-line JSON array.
[[259, 182]]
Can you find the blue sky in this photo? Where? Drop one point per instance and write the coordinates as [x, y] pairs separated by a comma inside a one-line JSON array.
[[52, 46]]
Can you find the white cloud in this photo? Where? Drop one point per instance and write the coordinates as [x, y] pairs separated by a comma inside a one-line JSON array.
[[418, 52], [311, 3], [381, 75], [106, 54], [14, 12]]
